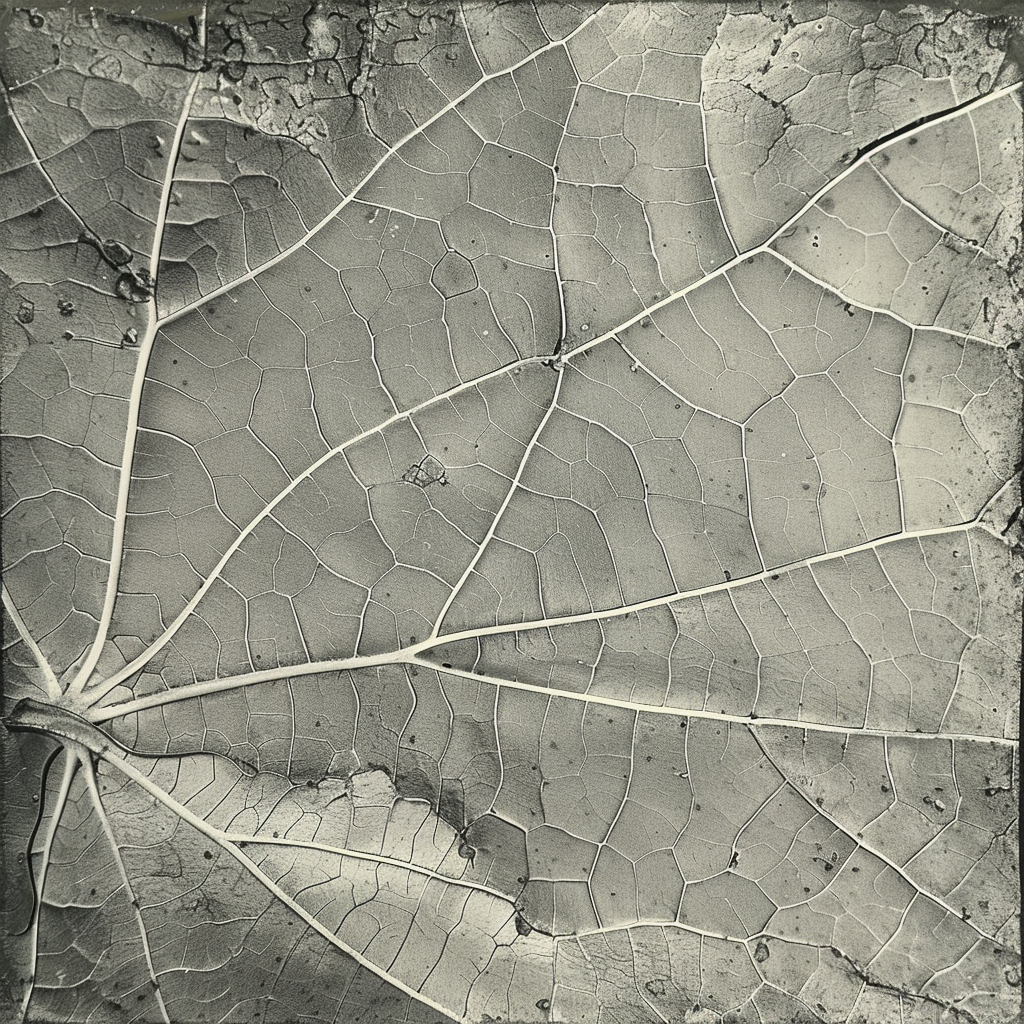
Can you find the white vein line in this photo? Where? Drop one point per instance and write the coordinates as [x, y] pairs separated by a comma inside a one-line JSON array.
[[714, 588], [230, 847], [411, 654], [210, 687], [707, 164], [681, 712], [496, 522], [358, 187], [837, 290], [90, 778], [70, 767], [15, 119], [675, 926], [96, 693], [373, 858], [766, 246], [81, 678], [52, 686]]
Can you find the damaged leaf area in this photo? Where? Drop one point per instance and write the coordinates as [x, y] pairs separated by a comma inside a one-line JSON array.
[[511, 513]]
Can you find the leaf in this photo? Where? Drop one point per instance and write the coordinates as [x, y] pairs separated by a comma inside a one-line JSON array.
[[511, 512]]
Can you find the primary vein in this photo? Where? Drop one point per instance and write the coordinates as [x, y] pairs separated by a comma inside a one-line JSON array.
[[81, 679]]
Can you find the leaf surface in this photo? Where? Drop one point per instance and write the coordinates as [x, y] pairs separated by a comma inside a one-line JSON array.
[[511, 513]]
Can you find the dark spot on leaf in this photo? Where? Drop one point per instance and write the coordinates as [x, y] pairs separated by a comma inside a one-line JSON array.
[[117, 252], [207, 855], [761, 951], [426, 472], [131, 289], [451, 804]]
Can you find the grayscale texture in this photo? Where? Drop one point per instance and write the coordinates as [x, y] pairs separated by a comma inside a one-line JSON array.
[[511, 513]]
